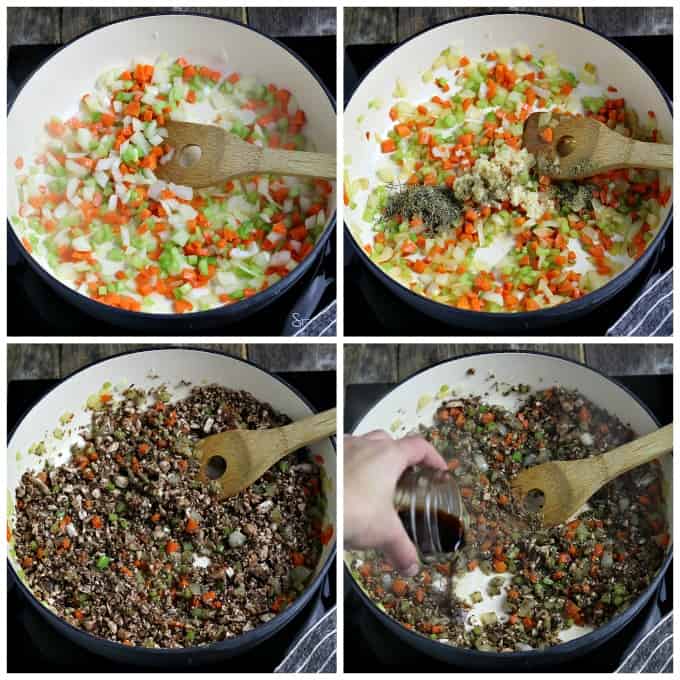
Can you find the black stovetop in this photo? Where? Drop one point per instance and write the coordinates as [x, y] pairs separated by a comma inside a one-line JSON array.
[[35, 646], [34, 309], [376, 311], [371, 647]]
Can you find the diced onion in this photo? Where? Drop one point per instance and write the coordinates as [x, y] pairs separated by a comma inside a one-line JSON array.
[[185, 193], [101, 178], [274, 236], [155, 190], [75, 168], [167, 157], [71, 188], [480, 462], [280, 259]]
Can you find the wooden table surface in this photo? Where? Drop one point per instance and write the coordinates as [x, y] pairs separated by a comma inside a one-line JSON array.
[[55, 25], [391, 363], [57, 361], [366, 25]]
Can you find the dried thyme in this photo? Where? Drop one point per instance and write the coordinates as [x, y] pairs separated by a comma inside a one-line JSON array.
[[436, 206]]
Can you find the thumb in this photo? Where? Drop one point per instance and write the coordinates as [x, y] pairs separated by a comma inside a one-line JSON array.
[[398, 547]]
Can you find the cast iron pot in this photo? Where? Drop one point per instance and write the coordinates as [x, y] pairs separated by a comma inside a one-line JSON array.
[[538, 371], [574, 45], [219, 43], [146, 369]]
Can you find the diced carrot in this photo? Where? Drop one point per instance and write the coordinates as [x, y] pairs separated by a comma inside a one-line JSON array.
[[326, 534], [181, 306], [55, 128], [132, 109], [500, 566], [399, 587]]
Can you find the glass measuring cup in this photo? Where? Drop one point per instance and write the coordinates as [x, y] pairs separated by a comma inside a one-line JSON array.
[[431, 509]]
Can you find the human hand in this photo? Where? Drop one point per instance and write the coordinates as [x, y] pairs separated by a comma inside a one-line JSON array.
[[373, 465]]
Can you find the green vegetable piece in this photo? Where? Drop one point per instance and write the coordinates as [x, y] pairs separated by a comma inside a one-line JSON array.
[[102, 562]]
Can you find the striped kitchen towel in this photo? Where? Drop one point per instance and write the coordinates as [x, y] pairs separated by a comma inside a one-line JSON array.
[[654, 653], [315, 650], [324, 324], [652, 313]]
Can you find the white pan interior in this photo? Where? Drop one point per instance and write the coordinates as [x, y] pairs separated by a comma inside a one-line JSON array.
[[57, 86], [415, 401], [574, 45], [147, 370]]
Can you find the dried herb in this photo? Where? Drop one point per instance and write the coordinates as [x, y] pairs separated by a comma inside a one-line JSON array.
[[575, 197], [436, 206]]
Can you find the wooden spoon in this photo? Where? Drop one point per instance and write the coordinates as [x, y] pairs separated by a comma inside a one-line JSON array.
[[207, 155], [567, 485], [237, 458], [583, 147]]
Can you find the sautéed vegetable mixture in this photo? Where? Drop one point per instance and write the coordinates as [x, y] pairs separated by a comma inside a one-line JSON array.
[[93, 211], [532, 584], [497, 235], [125, 542]]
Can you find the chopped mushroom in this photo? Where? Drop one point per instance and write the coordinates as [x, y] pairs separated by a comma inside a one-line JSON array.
[[584, 573], [127, 544]]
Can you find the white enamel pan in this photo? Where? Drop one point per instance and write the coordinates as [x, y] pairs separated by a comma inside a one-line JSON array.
[[574, 45], [147, 369], [57, 86], [406, 407]]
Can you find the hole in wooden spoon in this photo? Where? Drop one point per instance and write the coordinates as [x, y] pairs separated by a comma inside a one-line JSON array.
[[189, 155], [566, 145], [534, 501], [216, 467]]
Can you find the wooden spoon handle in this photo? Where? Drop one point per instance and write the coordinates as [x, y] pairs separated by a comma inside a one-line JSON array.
[[298, 163], [308, 430], [279, 442], [649, 155], [637, 452]]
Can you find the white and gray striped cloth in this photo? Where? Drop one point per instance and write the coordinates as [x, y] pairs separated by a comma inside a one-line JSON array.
[[654, 653], [652, 313], [315, 650], [324, 324]]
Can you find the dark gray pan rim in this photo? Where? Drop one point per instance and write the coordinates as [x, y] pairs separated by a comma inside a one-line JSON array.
[[277, 288], [591, 299], [253, 636], [564, 647]]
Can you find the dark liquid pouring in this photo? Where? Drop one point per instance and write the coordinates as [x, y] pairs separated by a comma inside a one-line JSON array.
[[446, 534]]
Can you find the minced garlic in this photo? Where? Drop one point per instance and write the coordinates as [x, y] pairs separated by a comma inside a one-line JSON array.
[[503, 177]]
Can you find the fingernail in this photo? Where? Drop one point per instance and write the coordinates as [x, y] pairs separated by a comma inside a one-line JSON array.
[[412, 570]]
